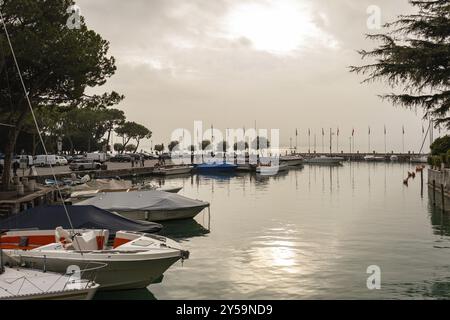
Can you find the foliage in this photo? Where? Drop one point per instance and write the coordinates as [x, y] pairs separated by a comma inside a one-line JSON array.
[[414, 55], [173, 145], [58, 64], [159, 147], [132, 130], [440, 145]]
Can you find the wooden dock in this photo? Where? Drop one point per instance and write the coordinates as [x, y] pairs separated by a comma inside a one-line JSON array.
[[11, 203]]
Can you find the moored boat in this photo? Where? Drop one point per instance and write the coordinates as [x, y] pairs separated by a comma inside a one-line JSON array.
[[134, 261], [216, 167], [292, 161], [148, 205], [373, 158], [173, 170], [30, 284], [325, 160], [270, 170]]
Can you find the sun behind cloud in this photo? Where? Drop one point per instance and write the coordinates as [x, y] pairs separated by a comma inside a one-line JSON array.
[[278, 27]]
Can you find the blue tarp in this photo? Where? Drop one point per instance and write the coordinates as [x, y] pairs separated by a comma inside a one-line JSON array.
[[83, 217]]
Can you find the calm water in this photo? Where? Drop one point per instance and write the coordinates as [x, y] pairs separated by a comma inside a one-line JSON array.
[[308, 234]]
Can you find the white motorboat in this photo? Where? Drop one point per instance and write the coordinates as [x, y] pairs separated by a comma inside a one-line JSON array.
[[394, 158], [173, 170], [372, 158], [419, 159], [292, 161], [134, 261], [271, 170], [95, 187], [149, 205], [29, 284], [325, 160]]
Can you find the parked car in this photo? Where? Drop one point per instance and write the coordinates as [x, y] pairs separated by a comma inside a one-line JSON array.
[[121, 158], [82, 165], [44, 160], [76, 157]]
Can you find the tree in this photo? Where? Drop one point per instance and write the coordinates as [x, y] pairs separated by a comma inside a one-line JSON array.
[[205, 144], [241, 146], [172, 145], [130, 148], [260, 143], [57, 64], [133, 130], [159, 147], [440, 146], [118, 147], [414, 56]]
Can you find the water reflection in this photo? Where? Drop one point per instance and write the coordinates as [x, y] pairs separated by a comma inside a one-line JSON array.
[[183, 230], [311, 233]]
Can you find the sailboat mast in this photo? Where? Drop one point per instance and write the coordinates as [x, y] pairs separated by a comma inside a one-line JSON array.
[[331, 143]]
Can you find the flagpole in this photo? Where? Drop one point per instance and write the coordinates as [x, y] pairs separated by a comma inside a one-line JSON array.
[[315, 142], [385, 146], [369, 141], [296, 140], [309, 140], [403, 139], [323, 141], [337, 141]]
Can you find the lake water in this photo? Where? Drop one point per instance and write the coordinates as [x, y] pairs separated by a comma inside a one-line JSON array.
[[308, 234]]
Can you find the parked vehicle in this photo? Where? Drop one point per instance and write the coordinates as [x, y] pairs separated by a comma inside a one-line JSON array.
[[97, 157], [121, 158], [81, 165], [44, 160]]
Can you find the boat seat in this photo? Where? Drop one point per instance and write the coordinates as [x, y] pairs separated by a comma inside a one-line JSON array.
[[86, 242]]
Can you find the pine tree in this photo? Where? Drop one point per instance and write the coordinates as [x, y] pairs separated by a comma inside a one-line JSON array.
[[414, 56]]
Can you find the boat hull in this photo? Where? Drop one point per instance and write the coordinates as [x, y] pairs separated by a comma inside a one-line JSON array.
[[163, 215], [172, 171], [116, 275]]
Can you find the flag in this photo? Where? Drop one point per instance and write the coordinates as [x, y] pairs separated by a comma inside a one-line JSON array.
[[296, 132], [369, 130], [323, 132], [353, 132], [338, 131], [309, 132], [385, 130], [403, 129]]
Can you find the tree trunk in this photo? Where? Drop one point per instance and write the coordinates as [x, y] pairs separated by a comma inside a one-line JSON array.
[[137, 146]]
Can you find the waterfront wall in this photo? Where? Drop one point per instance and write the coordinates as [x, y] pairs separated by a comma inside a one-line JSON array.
[[440, 178]]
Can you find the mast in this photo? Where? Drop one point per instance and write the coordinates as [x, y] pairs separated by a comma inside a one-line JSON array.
[[331, 142]]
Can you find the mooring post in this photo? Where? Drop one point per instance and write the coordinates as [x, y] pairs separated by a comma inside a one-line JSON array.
[[421, 183], [434, 192], [443, 197]]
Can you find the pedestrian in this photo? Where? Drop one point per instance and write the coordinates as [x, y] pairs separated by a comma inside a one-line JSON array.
[[16, 166], [143, 162]]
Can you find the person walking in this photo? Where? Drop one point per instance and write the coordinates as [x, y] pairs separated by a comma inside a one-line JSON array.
[[16, 166]]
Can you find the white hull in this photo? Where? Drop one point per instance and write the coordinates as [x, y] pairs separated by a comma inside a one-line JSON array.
[[271, 170], [134, 262], [116, 275], [43, 286], [172, 171], [163, 215]]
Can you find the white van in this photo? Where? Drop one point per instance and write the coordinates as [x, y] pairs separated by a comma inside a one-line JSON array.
[[97, 157], [43, 161]]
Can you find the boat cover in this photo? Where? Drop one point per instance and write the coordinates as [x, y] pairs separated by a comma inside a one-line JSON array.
[[83, 217], [151, 200]]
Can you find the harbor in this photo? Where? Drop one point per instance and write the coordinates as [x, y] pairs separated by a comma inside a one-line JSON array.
[[235, 151]]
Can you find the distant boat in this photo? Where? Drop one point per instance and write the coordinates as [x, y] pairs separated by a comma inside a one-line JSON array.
[[171, 171], [292, 161], [372, 158], [148, 205], [325, 160], [271, 169], [419, 159], [216, 167], [394, 158], [29, 284]]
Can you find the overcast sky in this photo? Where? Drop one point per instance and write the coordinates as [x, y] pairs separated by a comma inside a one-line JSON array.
[[229, 63]]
